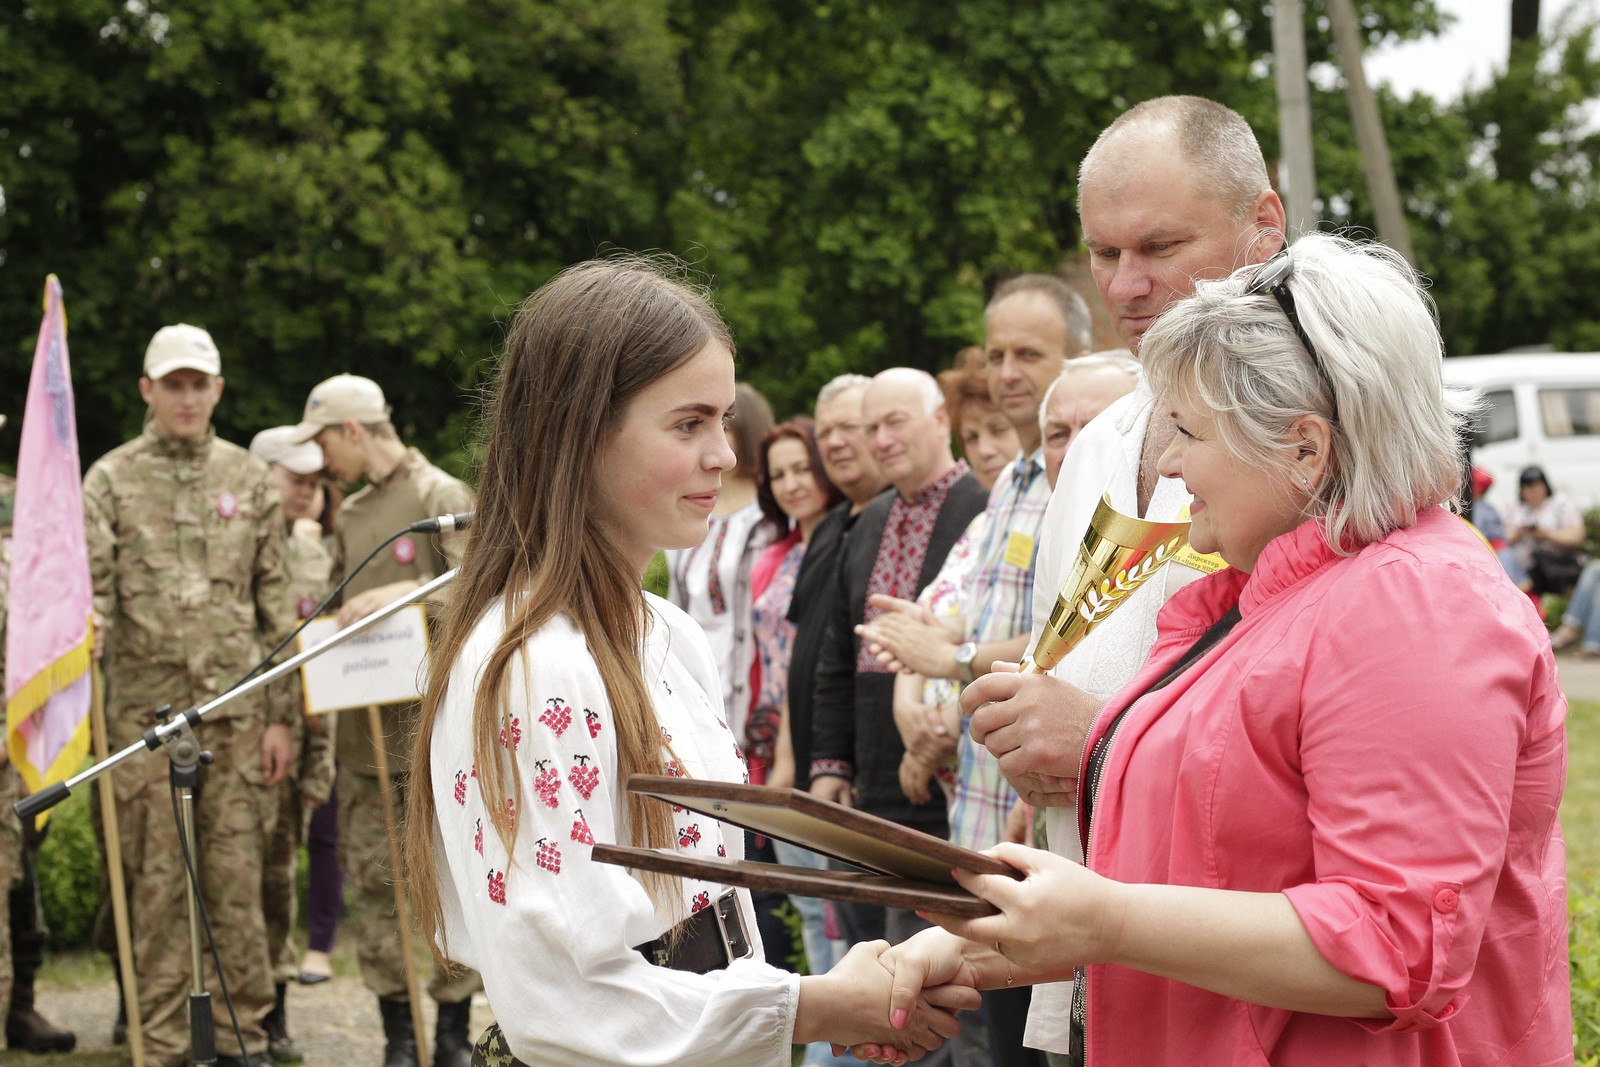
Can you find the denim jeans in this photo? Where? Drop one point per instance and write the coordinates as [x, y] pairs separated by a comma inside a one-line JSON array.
[[1583, 610]]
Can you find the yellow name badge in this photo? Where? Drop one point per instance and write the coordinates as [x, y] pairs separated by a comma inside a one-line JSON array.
[[1209, 563], [1019, 551]]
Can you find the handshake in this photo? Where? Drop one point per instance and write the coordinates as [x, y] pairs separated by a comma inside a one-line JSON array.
[[894, 1004], [864, 1004]]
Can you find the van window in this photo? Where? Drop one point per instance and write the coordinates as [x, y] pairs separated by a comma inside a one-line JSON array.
[[1497, 421], [1570, 412]]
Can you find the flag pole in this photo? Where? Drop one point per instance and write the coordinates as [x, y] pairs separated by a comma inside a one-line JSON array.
[[119, 891], [402, 900]]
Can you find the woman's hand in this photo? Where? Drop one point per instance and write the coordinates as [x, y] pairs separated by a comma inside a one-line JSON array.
[[1250, 946], [850, 1006], [1058, 916]]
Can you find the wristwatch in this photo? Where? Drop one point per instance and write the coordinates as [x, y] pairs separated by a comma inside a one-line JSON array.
[[965, 653]]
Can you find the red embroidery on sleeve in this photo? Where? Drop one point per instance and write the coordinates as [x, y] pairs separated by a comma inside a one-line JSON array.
[[557, 716]]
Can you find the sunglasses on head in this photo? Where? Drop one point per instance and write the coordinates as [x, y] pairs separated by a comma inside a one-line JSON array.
[[1272, 278]]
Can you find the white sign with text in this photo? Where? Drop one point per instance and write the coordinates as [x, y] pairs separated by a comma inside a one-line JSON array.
[[387, 664]]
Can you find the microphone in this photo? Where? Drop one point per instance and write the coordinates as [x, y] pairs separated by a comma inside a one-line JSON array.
[[442, 523]]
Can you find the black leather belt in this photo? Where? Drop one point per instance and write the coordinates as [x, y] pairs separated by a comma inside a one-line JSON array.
[[708, 940]]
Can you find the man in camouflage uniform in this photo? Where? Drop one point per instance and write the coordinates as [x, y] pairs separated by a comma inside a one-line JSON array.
[[186, 549], [348, 417], [296, 470], [22, 933]]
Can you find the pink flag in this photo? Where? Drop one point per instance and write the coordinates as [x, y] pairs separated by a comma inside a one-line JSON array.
[[48, 635]]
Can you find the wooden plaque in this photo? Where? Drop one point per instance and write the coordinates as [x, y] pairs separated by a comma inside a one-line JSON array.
[[902, 867], [859, 886]]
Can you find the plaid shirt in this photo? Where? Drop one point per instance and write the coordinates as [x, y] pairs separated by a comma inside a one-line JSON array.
[[999, 607]]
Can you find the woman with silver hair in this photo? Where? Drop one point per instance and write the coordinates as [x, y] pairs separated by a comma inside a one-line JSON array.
[[1320, 824]]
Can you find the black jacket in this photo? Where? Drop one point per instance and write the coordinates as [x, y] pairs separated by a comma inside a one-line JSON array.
[[810, 608], [853, 714]]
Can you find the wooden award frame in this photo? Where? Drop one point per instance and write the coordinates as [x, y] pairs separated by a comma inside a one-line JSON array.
[[901, 867]]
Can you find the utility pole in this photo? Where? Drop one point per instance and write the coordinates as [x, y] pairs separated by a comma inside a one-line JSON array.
[[1297, 169], [1369, 131]]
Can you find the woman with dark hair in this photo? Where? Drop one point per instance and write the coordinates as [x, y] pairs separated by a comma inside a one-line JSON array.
[[555, 677], [1544, 532], [794, 493]]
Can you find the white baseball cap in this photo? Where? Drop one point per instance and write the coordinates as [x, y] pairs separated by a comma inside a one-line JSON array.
[[278, 446], [338, 400], [181, 347]]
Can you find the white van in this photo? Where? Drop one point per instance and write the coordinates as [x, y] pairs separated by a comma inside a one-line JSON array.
[[1544, 409]]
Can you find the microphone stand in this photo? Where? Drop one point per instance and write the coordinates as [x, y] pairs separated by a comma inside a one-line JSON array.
[[176, 734]]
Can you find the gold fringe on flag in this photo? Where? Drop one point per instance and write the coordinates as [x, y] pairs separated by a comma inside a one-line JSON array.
[[34, 694]]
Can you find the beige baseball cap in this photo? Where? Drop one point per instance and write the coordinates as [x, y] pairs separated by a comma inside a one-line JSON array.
[[337, 400], [181, 347], [277, 445]]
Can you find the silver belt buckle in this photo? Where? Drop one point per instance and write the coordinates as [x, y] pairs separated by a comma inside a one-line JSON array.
[[730, 924]]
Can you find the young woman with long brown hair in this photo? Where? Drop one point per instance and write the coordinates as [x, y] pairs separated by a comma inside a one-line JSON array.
[[555, 677]]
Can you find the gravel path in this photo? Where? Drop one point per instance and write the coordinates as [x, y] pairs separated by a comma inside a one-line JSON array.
[[335, 1023]]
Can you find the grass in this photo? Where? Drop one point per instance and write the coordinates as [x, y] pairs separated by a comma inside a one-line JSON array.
[[1580, 807], [1580, 823]]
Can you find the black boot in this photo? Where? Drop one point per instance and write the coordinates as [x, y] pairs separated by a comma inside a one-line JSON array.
[[452, 1045], [26, 1029], [119, 1029], [280, 1046], [401, 1039]]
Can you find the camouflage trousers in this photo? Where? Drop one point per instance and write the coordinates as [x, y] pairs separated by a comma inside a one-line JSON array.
[[10, 872], [492, 1050], [234, 815], [280, 898], [369, 916]]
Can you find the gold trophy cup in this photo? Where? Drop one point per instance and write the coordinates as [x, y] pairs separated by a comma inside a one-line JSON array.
[[1119, 554]]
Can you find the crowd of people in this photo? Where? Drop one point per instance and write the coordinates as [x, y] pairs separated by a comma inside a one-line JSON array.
[[204, 555], [1293, 802]]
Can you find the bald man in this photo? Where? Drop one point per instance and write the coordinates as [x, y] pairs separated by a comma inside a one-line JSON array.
[[1175, 190], [896, 547], [1084, 388]]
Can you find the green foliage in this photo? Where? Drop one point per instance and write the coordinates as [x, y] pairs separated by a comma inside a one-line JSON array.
[[372, 187], [69, 872], [655, 575], [1583, 939], [1580, 818]]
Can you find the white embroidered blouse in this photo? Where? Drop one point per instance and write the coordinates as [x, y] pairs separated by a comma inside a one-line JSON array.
[[552, 932]]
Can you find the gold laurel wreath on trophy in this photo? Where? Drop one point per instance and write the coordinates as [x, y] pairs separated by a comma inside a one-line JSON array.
[[1119, 553]]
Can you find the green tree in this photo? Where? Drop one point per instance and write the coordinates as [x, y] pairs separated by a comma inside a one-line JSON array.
[[357, 186], [371, 187], [866, 170], [1500, 192]]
